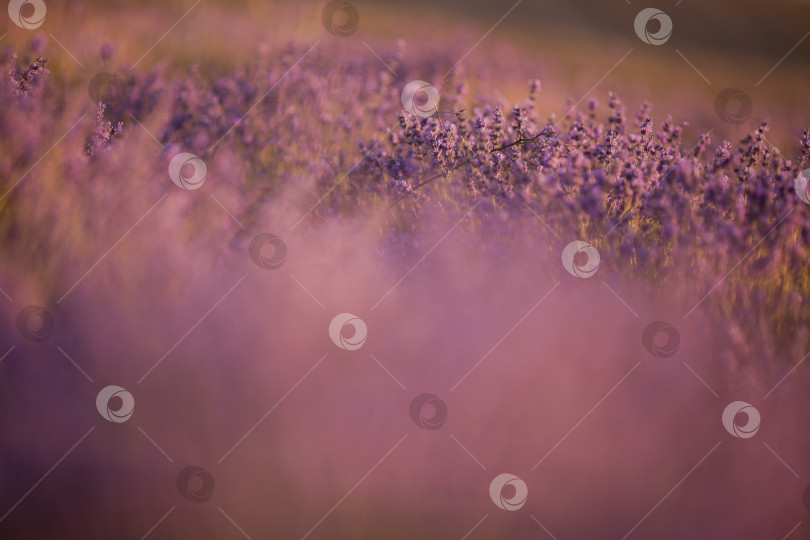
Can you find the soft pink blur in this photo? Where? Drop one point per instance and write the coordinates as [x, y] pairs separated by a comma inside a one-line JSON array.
[[537, 391]]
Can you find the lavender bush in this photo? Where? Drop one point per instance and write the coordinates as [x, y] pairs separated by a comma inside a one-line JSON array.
[[315, 152], [664, 207]]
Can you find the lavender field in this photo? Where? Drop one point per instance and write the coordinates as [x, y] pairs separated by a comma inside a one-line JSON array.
[[404, 270]]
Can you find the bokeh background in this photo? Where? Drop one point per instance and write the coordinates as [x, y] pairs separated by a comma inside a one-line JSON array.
[[568, 45]]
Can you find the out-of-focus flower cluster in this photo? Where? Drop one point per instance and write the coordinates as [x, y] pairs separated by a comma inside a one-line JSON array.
[[667, 212]]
